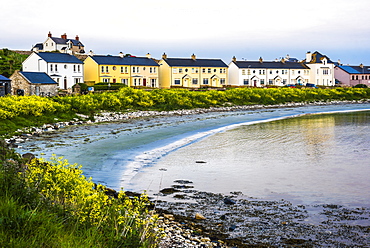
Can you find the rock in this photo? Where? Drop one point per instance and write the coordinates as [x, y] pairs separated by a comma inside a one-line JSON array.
[[229, 201], [168, 191], [200, 162], [199, 216], [232, 228], [169, 216]]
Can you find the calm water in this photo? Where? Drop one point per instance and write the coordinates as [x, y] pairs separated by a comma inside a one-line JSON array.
[[312, 159], [269, 154]]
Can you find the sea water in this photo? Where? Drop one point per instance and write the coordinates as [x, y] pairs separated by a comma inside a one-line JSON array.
[[311, 154]]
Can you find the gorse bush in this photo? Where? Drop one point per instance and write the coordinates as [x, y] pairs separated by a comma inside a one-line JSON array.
[[51, 204], [24, 108]]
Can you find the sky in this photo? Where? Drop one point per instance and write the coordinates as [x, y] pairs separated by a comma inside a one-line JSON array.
[[245, 29]]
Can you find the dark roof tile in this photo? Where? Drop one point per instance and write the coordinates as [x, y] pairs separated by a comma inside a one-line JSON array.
[[117, 60], [38, 77], [269, 65], [195, 62], [59, 58]]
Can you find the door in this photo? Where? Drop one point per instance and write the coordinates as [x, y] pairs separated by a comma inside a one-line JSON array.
[[65, 83], [144, 82]]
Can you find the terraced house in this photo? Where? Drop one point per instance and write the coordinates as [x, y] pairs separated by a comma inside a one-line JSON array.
[[351, 75], [129, 70], [267, 73], [192, 72]]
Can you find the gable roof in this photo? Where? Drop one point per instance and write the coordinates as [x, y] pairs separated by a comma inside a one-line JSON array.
[[37, 77], [355, 69], [118, 60], [59, 58], [2, 78], [269, 65], [318, 57], [65, 41], [181, 62]]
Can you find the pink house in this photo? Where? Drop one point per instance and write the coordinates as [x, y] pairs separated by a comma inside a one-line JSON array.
[[349, 75]]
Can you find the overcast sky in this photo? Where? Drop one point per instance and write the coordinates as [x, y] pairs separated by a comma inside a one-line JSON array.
[[246, 29]]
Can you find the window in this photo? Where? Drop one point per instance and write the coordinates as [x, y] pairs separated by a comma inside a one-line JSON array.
[[114, 68], [271, 82], [150, 70], [195, 81], [154, 70], [174, 70], [205, 80], [222, 80], [65, 66], [254, 71], [106, 69], [135, 81], [177, 81], [262, 81], [277, 71], [56, 68], [138, 70], [102, 69], [243, 72], [51, 67], [79, 68], [106, 80], [270, 71], [126, 69], [153, 82], [325, 71], [180, 70], [204, 70], [214, 70], [122, 69], [284, 81], [124, 80], [186, 70], [246, 81], [74, 68], [209, 70]]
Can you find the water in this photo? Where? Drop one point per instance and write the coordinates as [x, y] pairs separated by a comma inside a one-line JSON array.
[[268, 154]]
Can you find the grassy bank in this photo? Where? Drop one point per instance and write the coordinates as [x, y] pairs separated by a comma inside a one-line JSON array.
[[17, 112], [51, 204]]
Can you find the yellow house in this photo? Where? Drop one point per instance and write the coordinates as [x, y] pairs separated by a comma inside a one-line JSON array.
[[132, 71], [192, 72]]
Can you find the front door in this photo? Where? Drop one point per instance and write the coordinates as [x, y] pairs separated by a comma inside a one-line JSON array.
[[144, 81], [65, 83]]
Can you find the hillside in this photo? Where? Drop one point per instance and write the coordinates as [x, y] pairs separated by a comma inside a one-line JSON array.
[[11, 61]]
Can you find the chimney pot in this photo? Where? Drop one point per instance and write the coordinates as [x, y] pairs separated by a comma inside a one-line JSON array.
[[49, 34], [164, 56], [260, 60], [77, 38], [121, 54], [234, 59], [148, 56], [64, 36], [193, 57]]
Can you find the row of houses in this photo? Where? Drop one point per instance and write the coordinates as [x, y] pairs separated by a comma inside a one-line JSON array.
[[57, 64]]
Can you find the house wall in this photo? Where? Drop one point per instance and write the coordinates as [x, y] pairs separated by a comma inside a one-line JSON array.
[[318, 75], [91, 70], [234, 74], [342, 76], [49, 45], [164, 75], [34, 63]]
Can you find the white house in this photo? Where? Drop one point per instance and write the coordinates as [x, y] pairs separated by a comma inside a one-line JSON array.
[[62, 44], [322, 69], [267, 73], [65, 69]]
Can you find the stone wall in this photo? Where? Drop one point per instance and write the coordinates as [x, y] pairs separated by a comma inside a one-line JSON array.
[[20, 83]]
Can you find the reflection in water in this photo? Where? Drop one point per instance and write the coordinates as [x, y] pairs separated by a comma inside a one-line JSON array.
[[309, 159]]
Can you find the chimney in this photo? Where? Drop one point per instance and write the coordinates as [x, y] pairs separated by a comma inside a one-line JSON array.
[[193, 57], [339, 62], [361, 66], [77, 38], [121, 54], [283, 60], [261, 60], [234, 59], [91, 53], [164, 56], [64, 36], [148, 56], [308, 57], [49, 34]]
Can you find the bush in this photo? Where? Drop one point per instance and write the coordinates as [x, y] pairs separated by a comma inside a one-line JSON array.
[[360, 86]]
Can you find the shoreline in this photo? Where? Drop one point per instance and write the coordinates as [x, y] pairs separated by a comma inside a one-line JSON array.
[[107, 117]]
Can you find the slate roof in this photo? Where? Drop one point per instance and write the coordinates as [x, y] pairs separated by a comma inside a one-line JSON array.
[[195, 62], [59, 58], [40, 46], [38, 77], [269, 65], [117, 60], [64, 41], [2, 78], [355, 69], [317, 58]]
